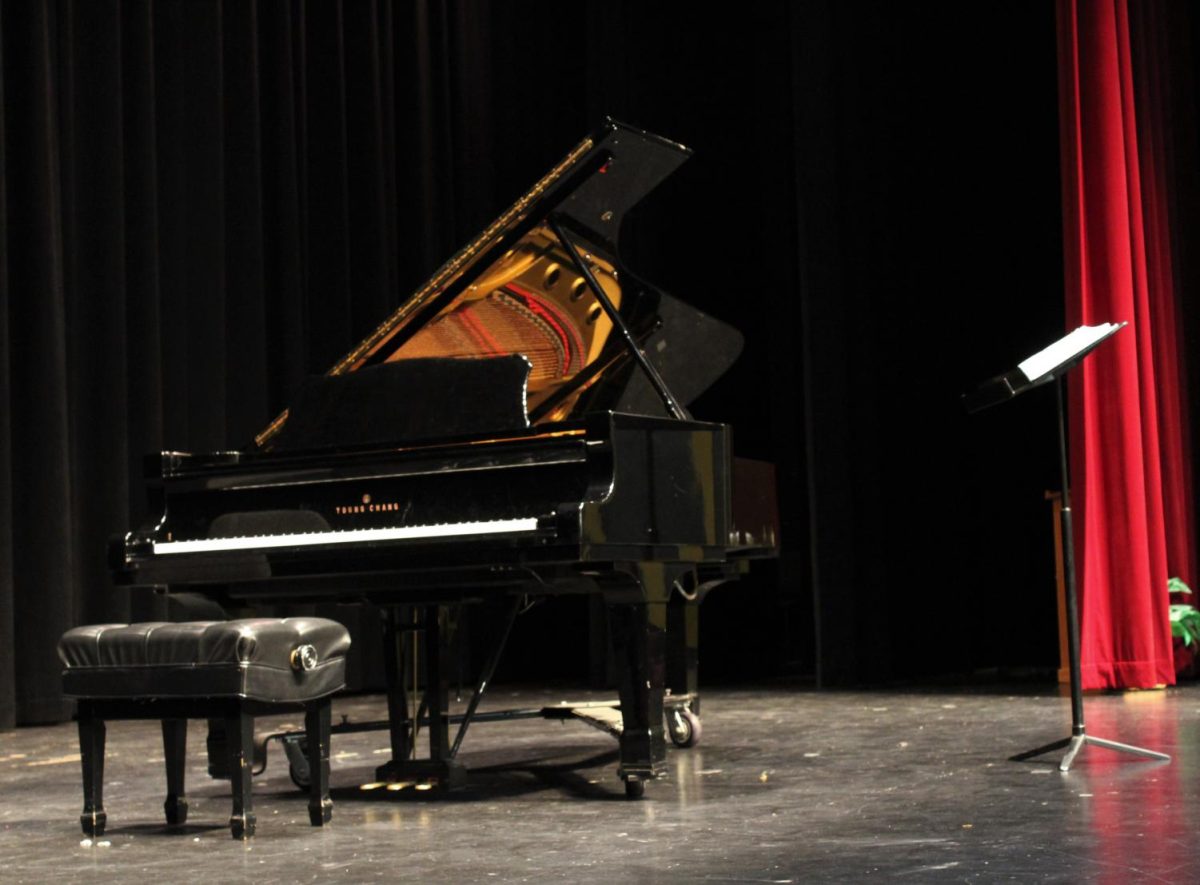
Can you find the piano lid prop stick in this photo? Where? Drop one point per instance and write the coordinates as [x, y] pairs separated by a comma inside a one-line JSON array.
[[660, 386]]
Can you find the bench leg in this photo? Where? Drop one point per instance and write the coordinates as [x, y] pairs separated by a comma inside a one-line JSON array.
[[239, 732], [174, 751], [317, 724], [91, 754]]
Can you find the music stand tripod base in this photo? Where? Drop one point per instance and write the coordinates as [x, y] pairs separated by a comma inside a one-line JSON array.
[[1076, 742]]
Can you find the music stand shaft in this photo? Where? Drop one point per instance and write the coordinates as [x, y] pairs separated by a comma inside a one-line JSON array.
[[1073, 651]]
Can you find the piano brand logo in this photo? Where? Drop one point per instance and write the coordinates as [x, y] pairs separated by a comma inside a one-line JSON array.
[[367, 506]]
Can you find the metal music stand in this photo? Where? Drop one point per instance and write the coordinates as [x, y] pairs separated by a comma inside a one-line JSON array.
[[1048, 365]]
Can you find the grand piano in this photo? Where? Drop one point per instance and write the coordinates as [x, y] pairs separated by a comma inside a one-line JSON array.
[[517, 428]]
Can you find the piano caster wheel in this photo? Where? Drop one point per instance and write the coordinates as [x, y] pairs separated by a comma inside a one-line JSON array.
[[296, 747], [635, 789], [684, 727]]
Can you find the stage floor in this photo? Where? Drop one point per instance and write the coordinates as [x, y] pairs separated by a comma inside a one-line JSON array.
[[786, 786]]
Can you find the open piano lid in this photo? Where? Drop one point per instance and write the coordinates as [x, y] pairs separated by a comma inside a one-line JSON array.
[[515, 289]]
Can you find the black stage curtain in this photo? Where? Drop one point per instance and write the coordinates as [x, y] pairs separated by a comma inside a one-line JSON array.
[[204, 201], [202, 204]]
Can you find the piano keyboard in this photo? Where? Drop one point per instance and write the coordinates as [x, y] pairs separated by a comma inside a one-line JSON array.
[[349, 536]]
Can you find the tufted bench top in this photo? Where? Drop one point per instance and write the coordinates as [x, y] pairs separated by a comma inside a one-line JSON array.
[[275, 660]]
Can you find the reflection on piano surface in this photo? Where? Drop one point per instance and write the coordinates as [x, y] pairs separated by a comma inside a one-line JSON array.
[[505, 433]]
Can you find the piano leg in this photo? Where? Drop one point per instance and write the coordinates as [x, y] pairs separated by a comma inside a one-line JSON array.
[[437, 686], [435, 625], [638, 620], [683, 649], [399, 722], [683, 657]]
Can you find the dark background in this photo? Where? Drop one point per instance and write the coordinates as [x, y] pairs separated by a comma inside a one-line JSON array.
[[204, 202]]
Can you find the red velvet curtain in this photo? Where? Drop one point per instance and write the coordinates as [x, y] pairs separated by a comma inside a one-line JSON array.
[[1130, 457]]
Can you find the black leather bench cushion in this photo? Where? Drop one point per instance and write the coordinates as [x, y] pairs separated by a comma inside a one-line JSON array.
[[249, 658]]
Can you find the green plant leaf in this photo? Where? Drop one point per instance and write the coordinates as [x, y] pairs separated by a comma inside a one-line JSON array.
[[1185, 623]]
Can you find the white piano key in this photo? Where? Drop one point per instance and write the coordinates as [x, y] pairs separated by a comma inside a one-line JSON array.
[[350, 536]]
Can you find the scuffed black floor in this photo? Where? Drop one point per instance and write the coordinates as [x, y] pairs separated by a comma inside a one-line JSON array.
[[787, 786]]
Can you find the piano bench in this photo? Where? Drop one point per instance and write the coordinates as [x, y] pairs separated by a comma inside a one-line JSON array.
[[224, 670]]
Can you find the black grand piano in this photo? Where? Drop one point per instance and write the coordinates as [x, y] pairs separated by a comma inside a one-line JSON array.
[[507, 433]]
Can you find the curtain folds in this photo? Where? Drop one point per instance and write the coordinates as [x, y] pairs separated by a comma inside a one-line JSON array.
[[1129, 423], [199, 205]]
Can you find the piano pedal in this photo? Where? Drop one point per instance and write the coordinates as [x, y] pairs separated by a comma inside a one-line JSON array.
[[218, 751], [296, 748], [424, 774]]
